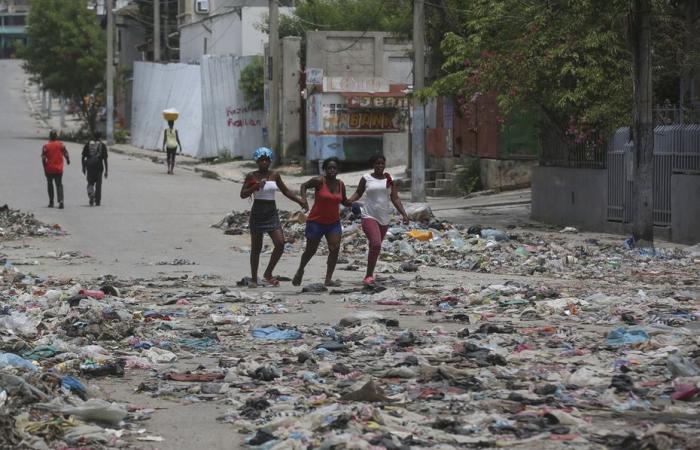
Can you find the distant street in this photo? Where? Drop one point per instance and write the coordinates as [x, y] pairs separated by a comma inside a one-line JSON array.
[[147, 216]]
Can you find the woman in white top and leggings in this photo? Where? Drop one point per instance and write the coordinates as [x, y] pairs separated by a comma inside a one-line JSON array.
[[262, 185], [379, 191]]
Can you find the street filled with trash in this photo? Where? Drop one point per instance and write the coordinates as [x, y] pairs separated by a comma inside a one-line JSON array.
[[471, 337]]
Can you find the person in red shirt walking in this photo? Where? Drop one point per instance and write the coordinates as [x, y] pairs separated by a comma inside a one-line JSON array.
[[52, 155], [324, 219]]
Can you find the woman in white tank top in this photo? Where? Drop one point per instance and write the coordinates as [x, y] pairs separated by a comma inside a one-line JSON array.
[[262, 186], [380, 193]]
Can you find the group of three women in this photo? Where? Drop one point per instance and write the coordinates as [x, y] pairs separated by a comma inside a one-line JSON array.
[[323, 219]]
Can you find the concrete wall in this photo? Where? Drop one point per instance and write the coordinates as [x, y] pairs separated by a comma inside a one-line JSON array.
[[358, 54], [570, 197], [685, 208], [506, 173], [395, 148]]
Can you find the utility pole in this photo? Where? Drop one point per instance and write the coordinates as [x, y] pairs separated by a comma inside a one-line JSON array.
[[274, 77], [110, 73], [156, 30], [642, 127], [166, 32], [418, 123], [49, 106], [62, 110]]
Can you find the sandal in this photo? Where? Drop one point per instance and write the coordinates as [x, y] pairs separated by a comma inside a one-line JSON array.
[[296, 281], [368, 280], [272, 281]]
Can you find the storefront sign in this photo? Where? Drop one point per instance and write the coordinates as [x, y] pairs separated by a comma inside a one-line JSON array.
[[355, 84], [365, 101]]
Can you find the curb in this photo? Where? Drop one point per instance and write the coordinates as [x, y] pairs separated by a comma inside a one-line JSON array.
[[486, 205]]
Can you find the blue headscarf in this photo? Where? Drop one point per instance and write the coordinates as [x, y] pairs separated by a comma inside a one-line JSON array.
[[262, 152]]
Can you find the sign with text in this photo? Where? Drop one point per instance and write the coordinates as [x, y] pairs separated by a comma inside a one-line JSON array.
[[314, 76], [355, 84], [367, 101]]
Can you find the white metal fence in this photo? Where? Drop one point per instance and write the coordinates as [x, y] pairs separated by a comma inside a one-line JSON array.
[[215, 119], [161, 86], [230, 126]]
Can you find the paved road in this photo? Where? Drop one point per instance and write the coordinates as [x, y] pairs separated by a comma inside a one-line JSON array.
[[146, 216]]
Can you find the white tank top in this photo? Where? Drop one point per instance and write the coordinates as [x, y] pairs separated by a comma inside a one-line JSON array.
[[377, 204], [267, 192]]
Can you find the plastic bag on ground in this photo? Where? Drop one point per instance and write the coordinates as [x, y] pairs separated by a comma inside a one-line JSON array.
[[93, 410], [420, 235], [419, 212], [494, 235], [12, 360], [622, 336], [275, 334]]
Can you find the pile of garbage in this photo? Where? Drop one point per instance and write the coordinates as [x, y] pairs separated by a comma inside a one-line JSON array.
[[428, 242], [497, 364], [15, 224], [523, 352]]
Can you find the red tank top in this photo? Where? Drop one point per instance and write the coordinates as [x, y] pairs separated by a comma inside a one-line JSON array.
[[326, 209], [54, 157]]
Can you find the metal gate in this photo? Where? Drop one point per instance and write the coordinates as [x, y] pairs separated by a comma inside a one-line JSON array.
[[676, 149]]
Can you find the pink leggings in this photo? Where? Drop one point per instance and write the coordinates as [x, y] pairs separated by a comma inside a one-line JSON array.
[[375, 234]]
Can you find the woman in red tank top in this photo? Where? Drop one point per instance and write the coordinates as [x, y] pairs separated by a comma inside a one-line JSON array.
[[324, 219]]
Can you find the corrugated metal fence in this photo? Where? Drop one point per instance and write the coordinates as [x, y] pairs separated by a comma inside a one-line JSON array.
[[676, 149], [161, 86], [214, 117], [229, 126]]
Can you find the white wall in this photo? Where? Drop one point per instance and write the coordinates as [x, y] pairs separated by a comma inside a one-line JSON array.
[[192, 42], [230, 34], [252, 39], [226, 35]]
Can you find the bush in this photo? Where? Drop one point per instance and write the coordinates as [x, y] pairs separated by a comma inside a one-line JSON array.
[[80, 136], [121, 136], [469, 176], [253, 83]]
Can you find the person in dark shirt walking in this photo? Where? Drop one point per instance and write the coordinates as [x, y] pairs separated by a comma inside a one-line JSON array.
[[94, 165], [52, 154]]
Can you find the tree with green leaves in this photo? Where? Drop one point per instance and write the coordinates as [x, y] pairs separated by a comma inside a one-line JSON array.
[[252, 83], [571, 58], [65, 50]]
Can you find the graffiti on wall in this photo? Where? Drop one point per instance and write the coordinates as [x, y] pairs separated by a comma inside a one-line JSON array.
[[236, 117]]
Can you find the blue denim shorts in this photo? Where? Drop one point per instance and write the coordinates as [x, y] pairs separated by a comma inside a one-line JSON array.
[[315, 231]]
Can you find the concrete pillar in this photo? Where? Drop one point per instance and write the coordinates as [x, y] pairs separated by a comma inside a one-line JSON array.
[[378, 56], [290, 113]]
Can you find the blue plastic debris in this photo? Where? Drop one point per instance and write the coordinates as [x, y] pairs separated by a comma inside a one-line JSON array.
[[275, 334], [12, 360], [73, 385], [624, 336]]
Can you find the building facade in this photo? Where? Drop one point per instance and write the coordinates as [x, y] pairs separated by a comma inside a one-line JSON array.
[[356, 96], [222, 27], [13, 19]]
